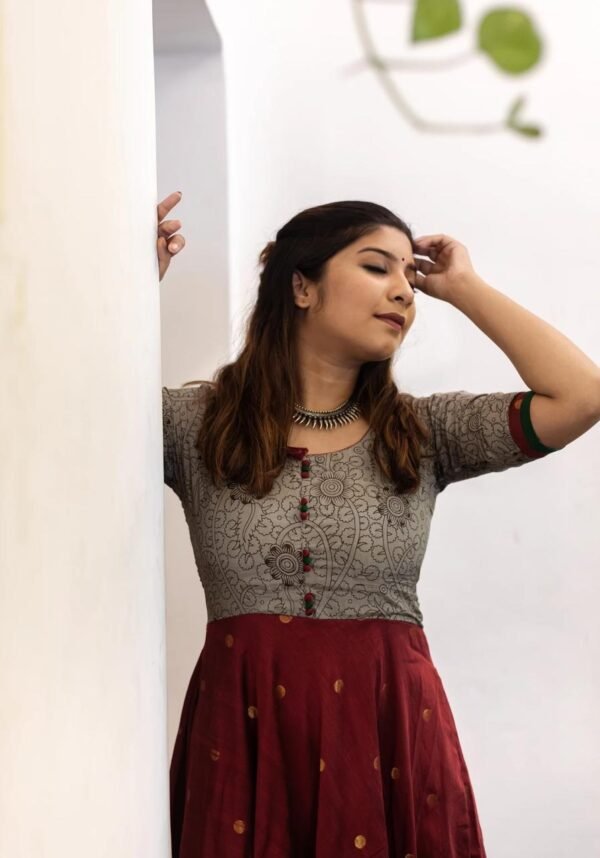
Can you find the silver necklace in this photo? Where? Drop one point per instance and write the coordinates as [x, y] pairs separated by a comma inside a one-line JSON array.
[[346, 413]]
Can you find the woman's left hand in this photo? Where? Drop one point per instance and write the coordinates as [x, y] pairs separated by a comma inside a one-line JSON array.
[[450, 269]]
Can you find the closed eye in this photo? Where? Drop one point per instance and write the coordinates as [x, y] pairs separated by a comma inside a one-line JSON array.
[[383, 271]]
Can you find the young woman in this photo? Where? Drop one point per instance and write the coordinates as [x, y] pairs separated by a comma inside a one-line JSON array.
[[315, 722]]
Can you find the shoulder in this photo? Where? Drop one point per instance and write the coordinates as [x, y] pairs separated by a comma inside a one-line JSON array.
[[188, 394], [189, 391], [182, 404], [419, 404]]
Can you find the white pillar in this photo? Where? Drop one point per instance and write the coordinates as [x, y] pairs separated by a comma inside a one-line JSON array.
[[83, 745]]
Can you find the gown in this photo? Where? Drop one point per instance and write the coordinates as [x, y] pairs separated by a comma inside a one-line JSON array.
[[315, 723]]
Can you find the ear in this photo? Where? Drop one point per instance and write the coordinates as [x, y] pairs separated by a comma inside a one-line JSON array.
[[301, 293]]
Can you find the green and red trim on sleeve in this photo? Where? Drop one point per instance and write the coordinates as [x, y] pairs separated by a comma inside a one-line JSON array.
[[521, 427]]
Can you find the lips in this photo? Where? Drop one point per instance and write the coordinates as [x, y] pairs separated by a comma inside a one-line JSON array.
[[394, 318]]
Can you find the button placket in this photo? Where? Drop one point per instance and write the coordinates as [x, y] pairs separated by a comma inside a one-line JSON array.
[[303, 508], [307, 564]]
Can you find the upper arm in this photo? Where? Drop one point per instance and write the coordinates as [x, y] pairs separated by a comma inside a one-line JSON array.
[[557, 422], [171, 467], [479, 433], [183, 409]]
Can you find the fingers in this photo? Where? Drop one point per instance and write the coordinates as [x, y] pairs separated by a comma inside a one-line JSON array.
[[168, 226], [428, 240], [170, 246], [424, 266], [163, 253], [432, 245], [176, 243], [165, 206]]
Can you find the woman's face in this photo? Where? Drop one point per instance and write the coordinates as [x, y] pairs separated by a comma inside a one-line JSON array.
[[358, 285]]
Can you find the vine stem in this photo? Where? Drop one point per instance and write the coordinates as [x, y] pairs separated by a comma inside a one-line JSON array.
[[382, 70]]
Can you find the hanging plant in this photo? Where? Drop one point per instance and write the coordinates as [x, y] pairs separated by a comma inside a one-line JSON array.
[[506, 37]]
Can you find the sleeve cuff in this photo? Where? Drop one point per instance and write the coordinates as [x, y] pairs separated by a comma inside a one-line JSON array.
[[521, 427]]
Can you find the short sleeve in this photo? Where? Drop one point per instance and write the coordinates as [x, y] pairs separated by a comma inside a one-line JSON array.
[[479, 433], [170, 463], [182, 410]]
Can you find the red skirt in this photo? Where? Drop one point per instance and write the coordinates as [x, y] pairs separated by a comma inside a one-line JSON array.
[[319, 737]]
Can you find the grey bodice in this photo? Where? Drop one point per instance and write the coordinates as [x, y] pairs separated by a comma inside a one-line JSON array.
[[358, 552]]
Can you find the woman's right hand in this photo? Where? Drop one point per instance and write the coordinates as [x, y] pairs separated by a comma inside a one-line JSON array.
[[167, 245]]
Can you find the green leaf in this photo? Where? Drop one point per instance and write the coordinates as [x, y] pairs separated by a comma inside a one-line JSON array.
[[527, 130], [435, 18], [509, 38]]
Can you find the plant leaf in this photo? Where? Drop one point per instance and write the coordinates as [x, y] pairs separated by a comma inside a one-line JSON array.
[[527, 130], [509, 38], [435, 18]]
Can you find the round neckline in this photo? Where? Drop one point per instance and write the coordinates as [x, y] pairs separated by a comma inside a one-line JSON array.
[[329, 452]]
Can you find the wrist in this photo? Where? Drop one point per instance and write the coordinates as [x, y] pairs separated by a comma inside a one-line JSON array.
[[464, 287]]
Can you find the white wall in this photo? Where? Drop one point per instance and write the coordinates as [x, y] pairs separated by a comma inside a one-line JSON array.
[[83, 746], [510, 584]]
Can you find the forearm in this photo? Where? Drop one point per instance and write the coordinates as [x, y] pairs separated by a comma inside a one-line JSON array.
[[547, 361]]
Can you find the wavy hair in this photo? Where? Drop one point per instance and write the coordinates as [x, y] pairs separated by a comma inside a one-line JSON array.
[[249, 403]]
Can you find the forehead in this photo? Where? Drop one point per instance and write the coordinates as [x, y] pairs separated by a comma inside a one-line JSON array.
[[387, 238]]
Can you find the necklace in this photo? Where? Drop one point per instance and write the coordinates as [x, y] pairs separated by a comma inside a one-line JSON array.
[[346, 413]]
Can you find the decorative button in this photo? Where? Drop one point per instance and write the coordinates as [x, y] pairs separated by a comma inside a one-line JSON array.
[[309, 603], [297, 452]]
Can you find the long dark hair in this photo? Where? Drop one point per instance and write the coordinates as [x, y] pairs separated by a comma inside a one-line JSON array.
[[250, 402]]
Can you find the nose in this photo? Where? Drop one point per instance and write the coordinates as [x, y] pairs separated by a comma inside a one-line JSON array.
[[404, 292]]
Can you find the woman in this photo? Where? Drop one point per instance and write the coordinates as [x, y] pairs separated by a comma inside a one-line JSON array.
[[315, 722]]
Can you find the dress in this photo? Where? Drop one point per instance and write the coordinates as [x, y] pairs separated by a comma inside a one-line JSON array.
[[315, 723]]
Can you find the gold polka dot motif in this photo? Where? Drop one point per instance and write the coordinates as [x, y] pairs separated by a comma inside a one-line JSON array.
[[284, 618], [239, 826], [280, 691], [376, 762], [409, 855], [338, 685], [426, 714], [395, 773], [360, 841], [321, 765], [214, 754], [252, 712], [229, 640], [432, 799]]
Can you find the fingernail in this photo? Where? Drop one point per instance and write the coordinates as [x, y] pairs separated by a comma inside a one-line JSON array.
[[179, 192]]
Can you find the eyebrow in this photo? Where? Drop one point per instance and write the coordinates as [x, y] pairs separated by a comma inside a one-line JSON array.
[[389, 256]]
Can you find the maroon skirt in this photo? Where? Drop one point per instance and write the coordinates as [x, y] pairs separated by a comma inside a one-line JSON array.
[[319, 737]]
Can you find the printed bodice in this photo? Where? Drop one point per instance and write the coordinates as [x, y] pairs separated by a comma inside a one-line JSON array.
[[333, 538]]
